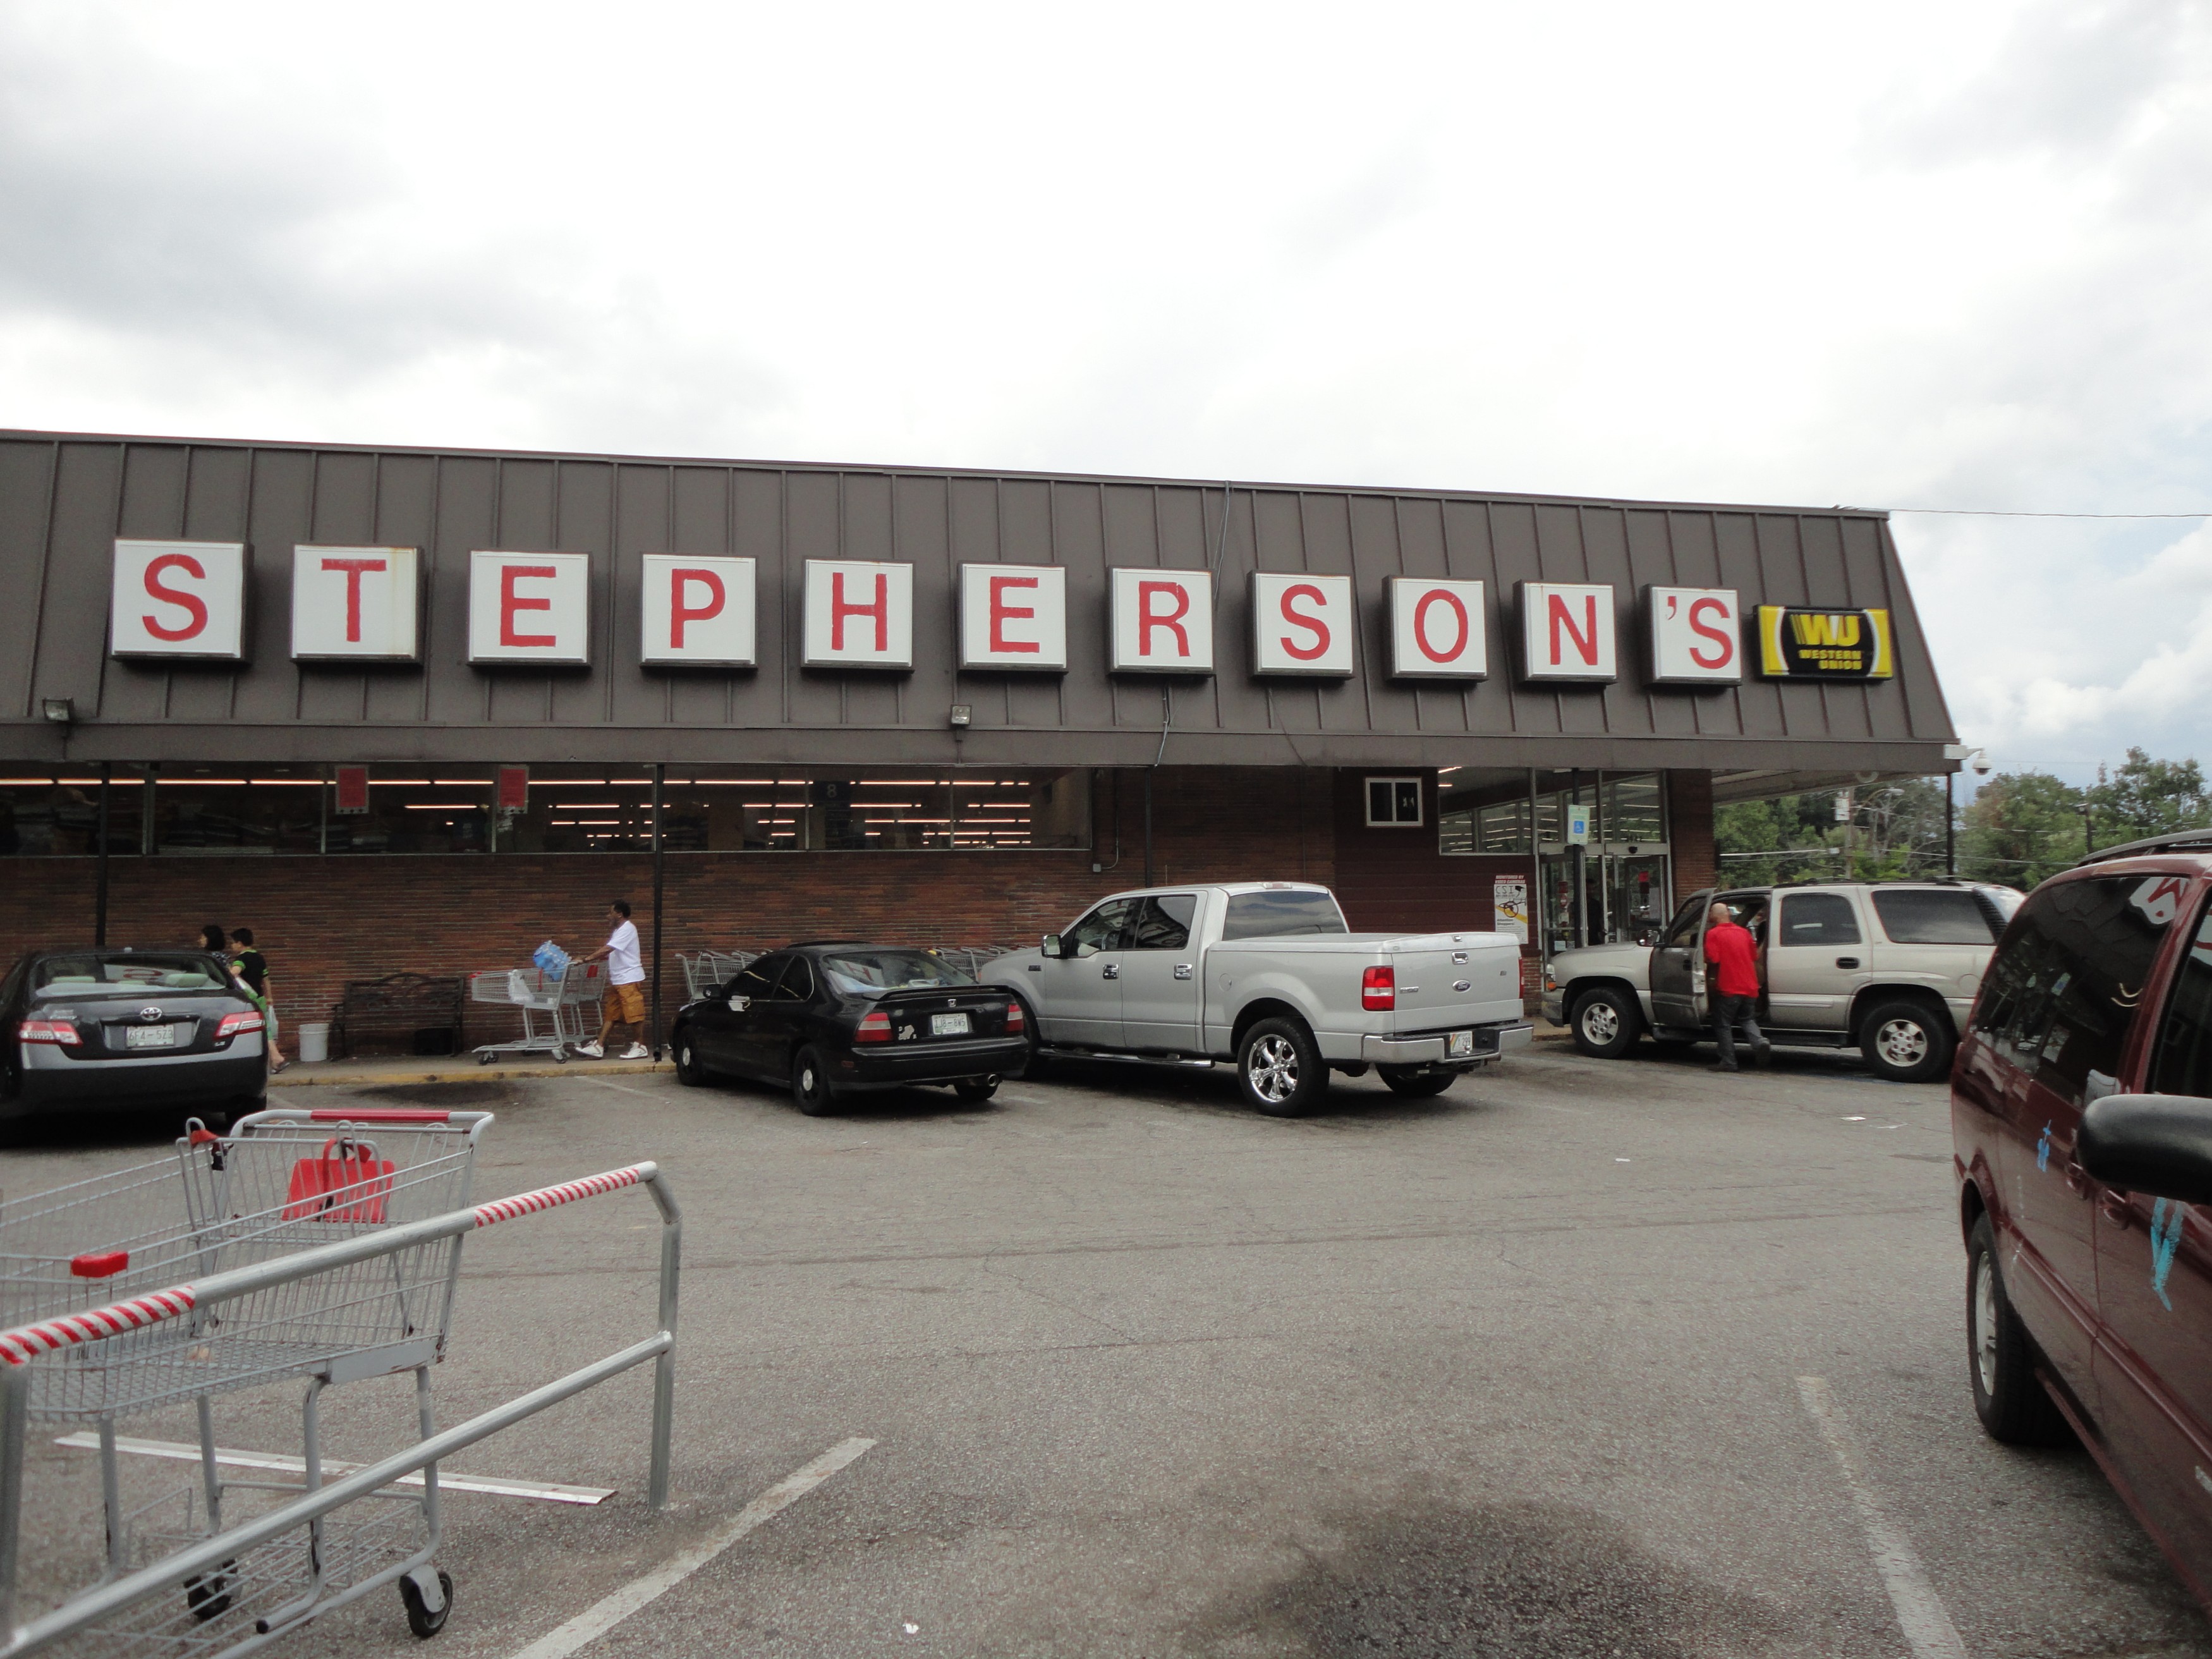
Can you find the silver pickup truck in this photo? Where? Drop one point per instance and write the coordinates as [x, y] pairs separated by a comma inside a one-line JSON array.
[[1267, 974], [1890, 966]]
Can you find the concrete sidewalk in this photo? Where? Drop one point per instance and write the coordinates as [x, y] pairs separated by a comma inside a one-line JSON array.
[[379, 1069]]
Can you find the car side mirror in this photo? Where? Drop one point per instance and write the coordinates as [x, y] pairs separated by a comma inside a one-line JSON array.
[[1050, 946], [2161, 1144]]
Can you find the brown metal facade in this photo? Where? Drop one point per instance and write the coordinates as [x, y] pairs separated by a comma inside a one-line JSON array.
[[66, 499]]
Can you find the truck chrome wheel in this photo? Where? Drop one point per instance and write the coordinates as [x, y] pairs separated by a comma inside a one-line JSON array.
[[1984, 1336], [1273, 1068], [1903, 1043]]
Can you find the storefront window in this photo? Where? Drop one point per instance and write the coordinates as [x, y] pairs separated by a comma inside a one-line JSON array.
[[56, 814]]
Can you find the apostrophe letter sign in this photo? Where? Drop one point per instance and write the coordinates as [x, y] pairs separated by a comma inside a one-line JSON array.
[[1162, 621], [859, 616], [178, 600], [1566, 632], [355, 605], [1695, 636], [1437, 630], [1302, 624], [1013, 615], [698, 612], [1798, 642], [530, 608]]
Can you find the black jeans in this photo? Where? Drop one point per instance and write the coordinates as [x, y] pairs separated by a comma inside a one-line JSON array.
[[1729, 1014]]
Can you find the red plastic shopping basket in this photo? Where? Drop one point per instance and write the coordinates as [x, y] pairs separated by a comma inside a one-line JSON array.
[[350, 1186]]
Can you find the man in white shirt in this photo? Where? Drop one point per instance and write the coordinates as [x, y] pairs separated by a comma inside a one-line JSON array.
[[625, 998]]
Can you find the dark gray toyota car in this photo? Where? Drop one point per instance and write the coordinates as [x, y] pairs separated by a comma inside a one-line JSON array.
[[100, 1029]]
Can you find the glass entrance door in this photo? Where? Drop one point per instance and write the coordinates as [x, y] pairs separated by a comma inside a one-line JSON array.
[[1602, 894]]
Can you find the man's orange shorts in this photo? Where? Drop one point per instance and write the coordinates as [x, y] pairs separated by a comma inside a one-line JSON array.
[[625, 1004]]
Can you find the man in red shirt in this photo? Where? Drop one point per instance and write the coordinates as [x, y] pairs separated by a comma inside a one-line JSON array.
[[1733, 986]]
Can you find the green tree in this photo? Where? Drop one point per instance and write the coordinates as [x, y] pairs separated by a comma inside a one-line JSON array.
[[2146, 797], [2020, 828], [1784, 839]]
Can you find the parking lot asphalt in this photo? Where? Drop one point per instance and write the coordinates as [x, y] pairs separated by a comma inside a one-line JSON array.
[[1517, 1369]]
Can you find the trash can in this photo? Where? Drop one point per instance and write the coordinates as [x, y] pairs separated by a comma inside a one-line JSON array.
[[315, 1041]]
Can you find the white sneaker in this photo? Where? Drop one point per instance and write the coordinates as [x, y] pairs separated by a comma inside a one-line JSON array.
[[637, 1051], [590, 1051]]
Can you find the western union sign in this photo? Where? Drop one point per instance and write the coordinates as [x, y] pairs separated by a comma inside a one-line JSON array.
[[1797, 643]]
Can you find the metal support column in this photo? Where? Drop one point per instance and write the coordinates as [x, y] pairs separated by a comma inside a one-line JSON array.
[[660, 779], [100, 890], [1950, 831]]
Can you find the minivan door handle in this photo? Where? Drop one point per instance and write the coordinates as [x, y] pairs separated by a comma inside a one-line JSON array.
[[1847, 962]]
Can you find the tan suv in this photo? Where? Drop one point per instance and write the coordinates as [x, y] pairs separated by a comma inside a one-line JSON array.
[[1888, 967]]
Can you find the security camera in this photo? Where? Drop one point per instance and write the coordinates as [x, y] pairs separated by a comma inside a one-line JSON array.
[[1981, 765]]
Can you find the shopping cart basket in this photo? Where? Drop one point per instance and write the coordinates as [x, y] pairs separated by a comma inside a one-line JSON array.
[[192, 1573], [535, 992]]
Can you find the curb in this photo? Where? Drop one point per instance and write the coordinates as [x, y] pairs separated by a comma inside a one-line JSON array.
[[474, 1074]]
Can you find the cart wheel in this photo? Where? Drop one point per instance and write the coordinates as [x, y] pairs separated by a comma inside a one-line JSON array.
[[421, 1620], [209, 1595], [560, 1056]]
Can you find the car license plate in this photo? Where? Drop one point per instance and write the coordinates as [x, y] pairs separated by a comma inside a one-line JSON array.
[[149, 1037], [1459, 1045], [948, 1025]]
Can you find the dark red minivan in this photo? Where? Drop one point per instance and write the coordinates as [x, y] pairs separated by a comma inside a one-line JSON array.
[[2082, 1120]]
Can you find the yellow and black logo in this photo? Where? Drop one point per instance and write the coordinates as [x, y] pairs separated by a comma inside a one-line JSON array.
[[1798, 643]]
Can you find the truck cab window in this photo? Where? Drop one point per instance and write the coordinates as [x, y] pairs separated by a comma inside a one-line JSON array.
[[1279, 915], [1162, 923], [1099, 931]]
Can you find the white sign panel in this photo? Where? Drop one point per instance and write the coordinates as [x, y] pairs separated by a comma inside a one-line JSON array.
[[696, 612], [178, 599], [859, 615], [1437, 630], [1013, 615], [1302, 624], [1162, 621], [1508, 902], [1567, 632], [357, 603], [1696, 635], [530, 608]]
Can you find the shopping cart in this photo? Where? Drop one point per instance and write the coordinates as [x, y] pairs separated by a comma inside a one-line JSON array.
[[706, 971], [536, 992], [317, 1250], [970, 958]]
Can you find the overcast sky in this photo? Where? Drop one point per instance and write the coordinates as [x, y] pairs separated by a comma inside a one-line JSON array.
[[1890, 255]]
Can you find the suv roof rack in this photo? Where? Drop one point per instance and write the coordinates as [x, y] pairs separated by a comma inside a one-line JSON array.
[[2173, 841], [1883, 881]]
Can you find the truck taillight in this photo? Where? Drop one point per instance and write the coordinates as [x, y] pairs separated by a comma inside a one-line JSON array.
[[237, 1024], [874, 1028], [1378, 989], [1016, 1020], [48, 1030]]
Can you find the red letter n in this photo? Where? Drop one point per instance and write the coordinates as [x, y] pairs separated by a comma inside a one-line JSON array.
[[1585, 643]]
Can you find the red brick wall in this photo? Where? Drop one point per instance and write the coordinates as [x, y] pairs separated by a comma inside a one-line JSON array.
[[1690, 831], [324, 920]]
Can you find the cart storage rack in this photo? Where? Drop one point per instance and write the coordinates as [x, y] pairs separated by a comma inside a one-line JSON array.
[[348, 1272]]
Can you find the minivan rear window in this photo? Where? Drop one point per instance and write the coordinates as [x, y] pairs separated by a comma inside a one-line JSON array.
[[1949, 915], [1274, 916]]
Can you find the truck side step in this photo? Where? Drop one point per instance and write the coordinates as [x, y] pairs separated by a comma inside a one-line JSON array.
[[1126, 1059]]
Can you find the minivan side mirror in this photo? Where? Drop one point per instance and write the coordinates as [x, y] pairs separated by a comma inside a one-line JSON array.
[[1050, 947], [2161, 1144]]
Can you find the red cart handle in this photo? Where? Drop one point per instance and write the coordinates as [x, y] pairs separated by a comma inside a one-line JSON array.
[[378, 1114]]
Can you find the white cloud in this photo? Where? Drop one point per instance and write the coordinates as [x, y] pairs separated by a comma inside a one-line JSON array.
[[1911, 255]]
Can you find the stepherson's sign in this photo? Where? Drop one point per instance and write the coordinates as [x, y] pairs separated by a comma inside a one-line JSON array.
[[176, 601]]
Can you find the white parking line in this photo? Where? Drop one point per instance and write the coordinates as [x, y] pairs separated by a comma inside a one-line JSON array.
[[604, 1615], [1928, 1628], [551, 1490]]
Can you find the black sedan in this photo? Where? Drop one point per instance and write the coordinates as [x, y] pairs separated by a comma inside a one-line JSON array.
[[837, 1018], [98, 1030]]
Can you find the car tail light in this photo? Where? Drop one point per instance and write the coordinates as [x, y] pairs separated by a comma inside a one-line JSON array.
[[1378, 989], [1016, 1020], [874, 1028], [237, 1024], [49, 1031]]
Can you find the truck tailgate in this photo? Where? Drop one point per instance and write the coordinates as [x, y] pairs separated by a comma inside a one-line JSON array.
[[1444, 981]]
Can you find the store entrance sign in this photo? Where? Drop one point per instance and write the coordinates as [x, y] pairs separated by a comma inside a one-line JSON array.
[[530, 608], [1693, 636], [1438, 628], [184, 601], [1567, 632], [356, 604], [1162, 621], [696, 612], [1303, 625], [1798, 642], [859, 614], [1013, 616]]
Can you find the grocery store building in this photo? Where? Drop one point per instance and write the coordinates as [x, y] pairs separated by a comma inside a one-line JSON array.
[[401, 710]]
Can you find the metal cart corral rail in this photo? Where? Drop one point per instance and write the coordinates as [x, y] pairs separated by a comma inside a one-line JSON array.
[[372, 1301]]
